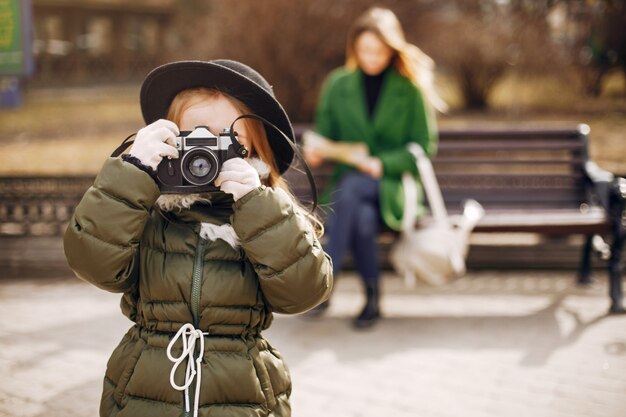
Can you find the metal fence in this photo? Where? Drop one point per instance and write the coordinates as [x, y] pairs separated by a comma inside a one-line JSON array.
[[39, 206], [35, 211]]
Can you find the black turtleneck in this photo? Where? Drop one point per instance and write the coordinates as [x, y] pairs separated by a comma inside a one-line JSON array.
[[373, 85]]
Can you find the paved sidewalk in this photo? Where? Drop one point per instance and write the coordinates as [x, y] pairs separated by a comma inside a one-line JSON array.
[[511, 344]]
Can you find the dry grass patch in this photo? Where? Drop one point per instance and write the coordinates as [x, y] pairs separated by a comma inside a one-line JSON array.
[[72, 131]]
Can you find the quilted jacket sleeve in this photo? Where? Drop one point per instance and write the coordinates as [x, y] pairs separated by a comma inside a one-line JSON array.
[[294, 272], [102, 239]]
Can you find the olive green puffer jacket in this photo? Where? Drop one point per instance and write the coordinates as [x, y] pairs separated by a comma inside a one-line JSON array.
[[169, 277]]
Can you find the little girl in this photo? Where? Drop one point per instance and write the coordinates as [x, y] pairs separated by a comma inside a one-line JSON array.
[[200, 274]]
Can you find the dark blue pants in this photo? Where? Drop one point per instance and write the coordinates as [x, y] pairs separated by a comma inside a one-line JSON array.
[[353, 224]]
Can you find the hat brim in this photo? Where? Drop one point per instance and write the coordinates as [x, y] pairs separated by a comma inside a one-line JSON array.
[[164, 82]]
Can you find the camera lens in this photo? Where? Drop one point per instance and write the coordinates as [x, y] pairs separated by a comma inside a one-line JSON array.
[[199, 166]]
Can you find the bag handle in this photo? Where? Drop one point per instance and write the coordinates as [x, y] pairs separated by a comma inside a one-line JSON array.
[[430, 184], [409, 186]]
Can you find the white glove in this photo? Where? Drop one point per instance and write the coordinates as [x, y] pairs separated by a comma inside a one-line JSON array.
[[155, 141], [238, 178]]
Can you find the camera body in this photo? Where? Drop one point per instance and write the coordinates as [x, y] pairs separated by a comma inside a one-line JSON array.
[[200, 158]]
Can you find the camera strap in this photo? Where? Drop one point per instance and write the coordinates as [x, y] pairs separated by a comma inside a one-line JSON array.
[[239, 148], [296, 152], [118, 151]]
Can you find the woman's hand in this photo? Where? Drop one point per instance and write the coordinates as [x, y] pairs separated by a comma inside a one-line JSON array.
[[372, 166], [312, 157], [155, 141], [238, 178]]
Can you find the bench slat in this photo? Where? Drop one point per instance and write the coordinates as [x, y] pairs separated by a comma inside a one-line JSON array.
[[444, 160], [508, 178], [536, 198], [479, 144], [511, 132], [564, 221]]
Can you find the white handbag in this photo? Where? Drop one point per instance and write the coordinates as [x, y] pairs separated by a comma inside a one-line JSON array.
[[436, 251]]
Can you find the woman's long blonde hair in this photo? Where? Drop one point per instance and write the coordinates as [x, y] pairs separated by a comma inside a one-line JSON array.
[[408, 59], [256, 135]]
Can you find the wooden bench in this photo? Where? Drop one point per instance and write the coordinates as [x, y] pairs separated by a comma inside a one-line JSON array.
[[533, 180]]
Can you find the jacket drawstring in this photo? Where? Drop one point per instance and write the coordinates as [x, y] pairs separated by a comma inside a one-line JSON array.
[[190, 335]]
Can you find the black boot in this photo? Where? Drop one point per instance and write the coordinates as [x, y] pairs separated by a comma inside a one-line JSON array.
[[371, 312]]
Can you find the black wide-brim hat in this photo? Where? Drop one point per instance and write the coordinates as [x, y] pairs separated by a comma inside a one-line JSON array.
[[231, 77]]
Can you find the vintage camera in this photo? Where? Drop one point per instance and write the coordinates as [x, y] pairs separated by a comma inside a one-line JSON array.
[[200, 158]]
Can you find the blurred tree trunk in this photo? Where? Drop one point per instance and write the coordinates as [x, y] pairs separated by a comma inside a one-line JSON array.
[[601, 46], [477, 81], [292, 44], [296, 44], [480, 41]]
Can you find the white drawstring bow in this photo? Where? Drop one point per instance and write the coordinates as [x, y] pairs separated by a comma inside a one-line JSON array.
[[189, 336]]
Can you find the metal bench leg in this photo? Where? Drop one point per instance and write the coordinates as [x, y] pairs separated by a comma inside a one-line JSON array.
[[615, 275], [618, 225], [584, 274]]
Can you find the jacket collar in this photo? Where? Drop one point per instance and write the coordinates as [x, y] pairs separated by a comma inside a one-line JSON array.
[[217, 212], [390, 89]]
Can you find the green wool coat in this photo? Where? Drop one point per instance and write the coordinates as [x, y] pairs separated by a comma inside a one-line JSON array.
[[401, 116], [170, 276]]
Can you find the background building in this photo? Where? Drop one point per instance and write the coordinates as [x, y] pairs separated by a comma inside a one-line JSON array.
[[80, 40]]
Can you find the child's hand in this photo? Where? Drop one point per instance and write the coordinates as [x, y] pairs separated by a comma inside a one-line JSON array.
[[237, 178], [155, 141]]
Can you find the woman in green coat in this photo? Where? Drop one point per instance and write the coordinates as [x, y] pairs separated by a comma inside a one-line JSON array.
[[382, 97], [201, 273]]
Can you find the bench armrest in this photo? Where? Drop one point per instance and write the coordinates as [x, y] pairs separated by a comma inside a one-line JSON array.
[[618, 203], [620, 188], [600, 183]]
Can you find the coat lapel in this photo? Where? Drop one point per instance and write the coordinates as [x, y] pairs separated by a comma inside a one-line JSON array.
[[390, 101], [356, 106]]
